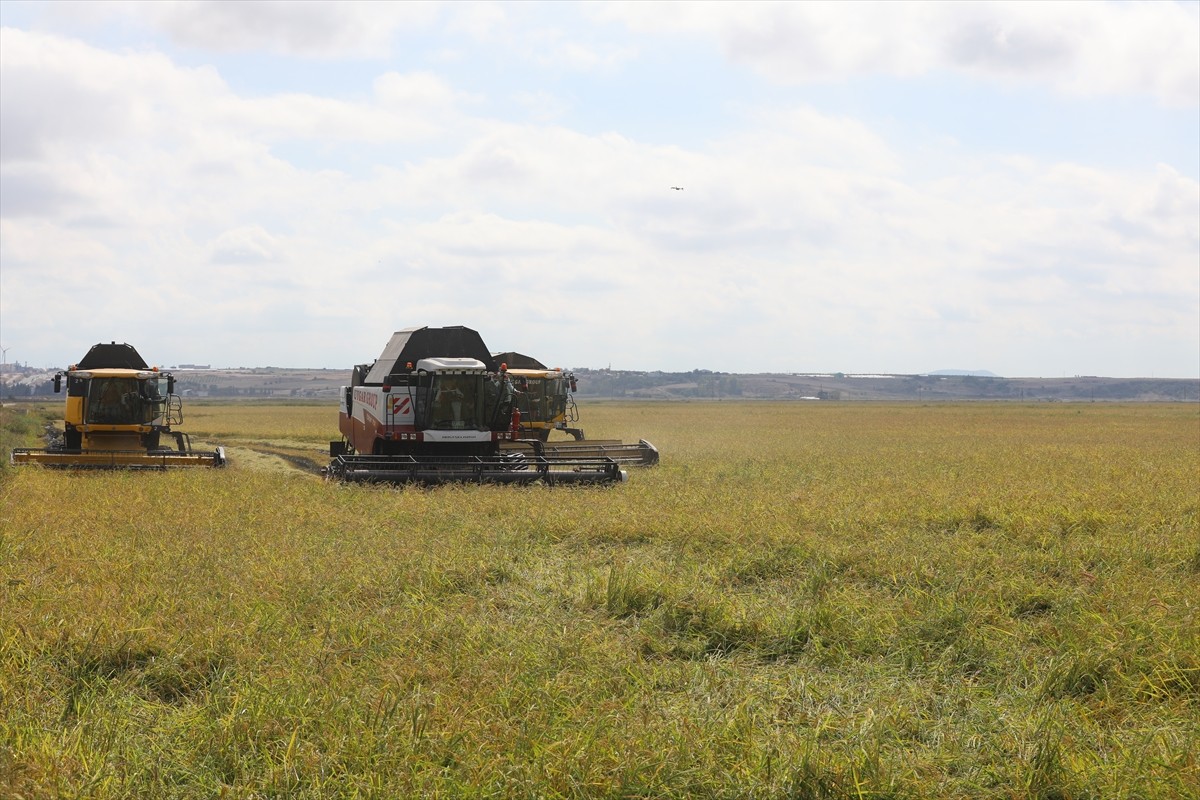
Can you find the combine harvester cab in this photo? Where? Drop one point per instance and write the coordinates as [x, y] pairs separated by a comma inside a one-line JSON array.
[[543, 396], [429, 410], [546, 400], [119, 415]]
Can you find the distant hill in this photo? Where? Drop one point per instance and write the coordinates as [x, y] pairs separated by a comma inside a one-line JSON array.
[[880, 388], [946, 385], [980, 373]]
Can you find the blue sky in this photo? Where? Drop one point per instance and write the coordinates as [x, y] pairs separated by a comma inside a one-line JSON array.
[[897, 187]]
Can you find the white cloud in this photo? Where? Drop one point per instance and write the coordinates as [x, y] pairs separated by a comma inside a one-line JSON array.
[[528, 31], [417, 91], [60, 93], [247, 244], [481, 21], [64, 91], [342, 29], [543, 107], [300, 228], [1081, 48]]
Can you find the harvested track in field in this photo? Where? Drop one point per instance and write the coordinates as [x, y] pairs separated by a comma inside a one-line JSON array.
[[302, 463], [300, 458]]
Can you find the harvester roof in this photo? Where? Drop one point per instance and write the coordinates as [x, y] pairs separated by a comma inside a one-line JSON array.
[[414, 344], [112, 356], [517, 361]]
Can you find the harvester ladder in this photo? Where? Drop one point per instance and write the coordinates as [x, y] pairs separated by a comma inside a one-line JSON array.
[[389, 412], [174, 410]]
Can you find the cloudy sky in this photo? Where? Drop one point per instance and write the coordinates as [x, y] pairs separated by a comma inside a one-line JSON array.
[[894, 187]]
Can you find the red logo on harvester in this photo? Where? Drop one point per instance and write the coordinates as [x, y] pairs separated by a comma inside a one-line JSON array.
[[401, 404]]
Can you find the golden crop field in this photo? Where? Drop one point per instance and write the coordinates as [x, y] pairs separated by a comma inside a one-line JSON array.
[[803, 600]]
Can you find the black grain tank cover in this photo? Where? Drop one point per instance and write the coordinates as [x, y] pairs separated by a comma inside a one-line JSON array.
[[413, 344], [112, 356], [516, 361]]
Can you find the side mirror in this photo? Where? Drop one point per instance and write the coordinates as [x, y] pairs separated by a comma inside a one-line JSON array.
[[170, 384], [57, 382]]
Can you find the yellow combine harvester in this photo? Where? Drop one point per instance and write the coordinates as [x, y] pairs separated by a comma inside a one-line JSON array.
[[119, 416], [546, 399], [544, 396]]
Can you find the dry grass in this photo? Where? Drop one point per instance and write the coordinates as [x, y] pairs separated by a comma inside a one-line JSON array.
[[803, 601]]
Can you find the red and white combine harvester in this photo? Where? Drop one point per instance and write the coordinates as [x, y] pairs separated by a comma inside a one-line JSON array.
[[435, 408]]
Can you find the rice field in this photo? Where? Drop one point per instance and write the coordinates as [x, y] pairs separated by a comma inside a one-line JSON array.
[[803, 600]]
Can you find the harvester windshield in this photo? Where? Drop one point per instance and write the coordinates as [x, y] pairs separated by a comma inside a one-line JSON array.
[[554, 397], [456, 402], [542, 396], [535, 405], [125, 400]]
